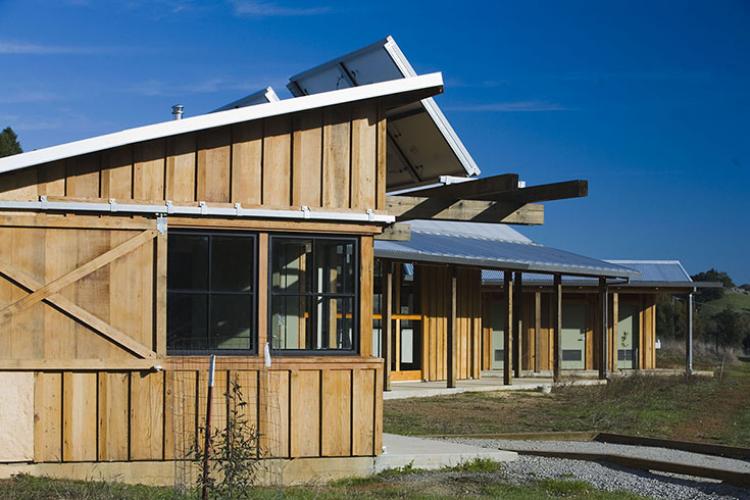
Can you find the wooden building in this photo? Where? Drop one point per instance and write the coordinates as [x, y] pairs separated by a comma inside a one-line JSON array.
[[126, 259], [442, 256]]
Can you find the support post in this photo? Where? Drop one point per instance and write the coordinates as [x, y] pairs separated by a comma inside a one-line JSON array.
[[518, 325], [507, 336], [689, 337], [537, 331], [615, 326], [603, 329], [387, 322], [452, 340], [557, 327]]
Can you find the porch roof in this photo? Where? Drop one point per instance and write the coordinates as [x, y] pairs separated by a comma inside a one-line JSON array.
[[492, 246]]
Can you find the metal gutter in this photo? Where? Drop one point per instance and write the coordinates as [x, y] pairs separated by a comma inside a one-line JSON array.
[[168, 208]]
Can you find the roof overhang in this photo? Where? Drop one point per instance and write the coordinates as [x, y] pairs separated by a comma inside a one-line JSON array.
[[392, 94], [422, 144]]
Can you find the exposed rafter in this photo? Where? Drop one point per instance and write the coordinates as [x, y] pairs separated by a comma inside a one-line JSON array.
[[415, 207]]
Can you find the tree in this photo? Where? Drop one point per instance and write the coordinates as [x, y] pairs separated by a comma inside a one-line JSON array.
[[730, 328], [9, 144], [709, 294]]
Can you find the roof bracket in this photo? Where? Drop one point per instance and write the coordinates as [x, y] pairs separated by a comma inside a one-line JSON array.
[[43, 202], [170, 207], [161, 223], [112, 205], [370, 214], [203, 207], [305, 212], [238, 209]]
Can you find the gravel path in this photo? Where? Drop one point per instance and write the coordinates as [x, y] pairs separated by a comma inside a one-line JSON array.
[[612, 477]]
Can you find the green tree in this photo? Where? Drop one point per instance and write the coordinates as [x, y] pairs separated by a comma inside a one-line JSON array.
[[9, 144], [709, 294], [729, 328]]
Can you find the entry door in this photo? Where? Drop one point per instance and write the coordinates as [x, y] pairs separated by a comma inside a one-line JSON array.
[[628, 332], [574, 336], [497, 345]]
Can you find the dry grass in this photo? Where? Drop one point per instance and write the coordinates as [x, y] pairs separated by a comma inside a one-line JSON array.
[[711, 410]]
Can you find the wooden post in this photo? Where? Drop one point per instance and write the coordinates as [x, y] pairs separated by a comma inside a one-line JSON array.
[[387, 322], [689, 337], [518, 325], [537, 331], [507, 336], [452, 338], [557, 326], [615, 321], [603, 330]]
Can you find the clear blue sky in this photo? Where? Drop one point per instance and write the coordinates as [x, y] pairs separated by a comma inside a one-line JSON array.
[[649, 101]]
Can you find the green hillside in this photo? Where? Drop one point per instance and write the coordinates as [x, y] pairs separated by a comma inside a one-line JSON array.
[[732, 298]]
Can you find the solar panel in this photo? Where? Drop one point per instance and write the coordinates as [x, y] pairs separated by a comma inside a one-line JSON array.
[[259, 97], [422, 145]]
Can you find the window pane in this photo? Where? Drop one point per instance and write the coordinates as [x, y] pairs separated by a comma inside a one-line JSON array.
[[232, 262], [231, 320], [291, 322], [187, 317], [187, 262], [409, 290], [335, 323], [334, 262], [291, 265]]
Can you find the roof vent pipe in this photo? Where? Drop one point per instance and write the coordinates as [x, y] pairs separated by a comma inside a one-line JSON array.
[[177, 111]]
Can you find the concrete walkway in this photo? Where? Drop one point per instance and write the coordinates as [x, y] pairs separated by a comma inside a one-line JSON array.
[[404, 390], [420, 453]]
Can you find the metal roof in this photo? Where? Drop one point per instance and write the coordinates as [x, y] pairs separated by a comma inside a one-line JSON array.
[[422, 144], [260, 97], [479, 246], [652, 273], [407, 90]]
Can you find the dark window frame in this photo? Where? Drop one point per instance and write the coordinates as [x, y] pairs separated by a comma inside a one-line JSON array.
[[208, 293], [355, 295]]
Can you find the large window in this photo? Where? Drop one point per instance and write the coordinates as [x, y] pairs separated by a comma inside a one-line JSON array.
[[211, 286], [314, 292]]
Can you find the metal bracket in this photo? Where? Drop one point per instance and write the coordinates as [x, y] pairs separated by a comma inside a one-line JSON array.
[[43, 202], [204, 207], [161, 223], [112, 205], [370, 215], [170, 207], [238, 209], [305, 212]]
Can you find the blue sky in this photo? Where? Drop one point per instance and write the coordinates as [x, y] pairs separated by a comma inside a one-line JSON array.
[[649, 101]]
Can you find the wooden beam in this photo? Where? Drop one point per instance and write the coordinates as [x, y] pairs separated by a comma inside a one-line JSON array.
[[615, 320], [415, 207], [537, 331], [395, 232], [557, 327], [478, 189], [58, 284], [603, 324], [452, 341], [387, 322], [518, 325], [546, 192], [79, 314], [507, 335]]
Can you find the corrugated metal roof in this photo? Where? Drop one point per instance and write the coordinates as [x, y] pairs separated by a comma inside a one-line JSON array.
[[491, 246], [651, 273]]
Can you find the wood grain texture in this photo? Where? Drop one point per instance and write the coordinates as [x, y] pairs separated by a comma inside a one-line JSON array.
[[277, 162], [363, 409], [364, 157], [113, 432], [274, 407], [307, 159], [336, 151], [146, 415], [79, 416], [214, 164], [305, 413], [247, 163], [180, 413], [82, 176], [117, 173], [181, 168], [48, 417], [336, 413]]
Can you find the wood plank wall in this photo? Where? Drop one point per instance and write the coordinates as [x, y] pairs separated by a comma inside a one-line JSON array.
[[131, 415], [41, 249], [434, 286], [647, 318], [322, 158]]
